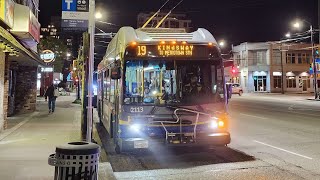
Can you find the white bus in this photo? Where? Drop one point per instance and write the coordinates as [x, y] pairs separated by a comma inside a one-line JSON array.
[[163, 86]]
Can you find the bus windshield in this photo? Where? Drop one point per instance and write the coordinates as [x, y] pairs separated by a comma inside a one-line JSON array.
[[177, 82]]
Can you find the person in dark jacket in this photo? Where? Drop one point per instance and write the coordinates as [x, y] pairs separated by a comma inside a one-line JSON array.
[[50, 96]]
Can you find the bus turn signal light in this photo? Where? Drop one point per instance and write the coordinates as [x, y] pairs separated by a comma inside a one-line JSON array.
[[220, 123]]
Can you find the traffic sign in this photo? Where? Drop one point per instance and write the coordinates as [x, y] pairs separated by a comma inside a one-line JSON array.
[[69, 5]]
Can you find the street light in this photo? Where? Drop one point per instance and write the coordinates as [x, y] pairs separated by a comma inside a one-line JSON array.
[[288, 35], [297, 24], [98, 15], [222, 43]]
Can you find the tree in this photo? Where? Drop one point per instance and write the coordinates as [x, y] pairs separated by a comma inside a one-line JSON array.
[[58, 47]]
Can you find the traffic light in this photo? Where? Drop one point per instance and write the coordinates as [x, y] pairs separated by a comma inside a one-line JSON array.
[[310, 67], [316, 52], [233, 70]]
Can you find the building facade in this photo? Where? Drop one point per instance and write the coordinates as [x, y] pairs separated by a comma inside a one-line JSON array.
[[174, 20], [19, 59], [269, 67]]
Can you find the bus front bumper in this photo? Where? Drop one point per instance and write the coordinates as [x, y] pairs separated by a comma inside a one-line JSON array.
[[202, 139]]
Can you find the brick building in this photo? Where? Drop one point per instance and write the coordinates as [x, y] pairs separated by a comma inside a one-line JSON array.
[[19, 59], [260, 67]]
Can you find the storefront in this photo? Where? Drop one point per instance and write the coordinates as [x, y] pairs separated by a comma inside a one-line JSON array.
[[260, 81]]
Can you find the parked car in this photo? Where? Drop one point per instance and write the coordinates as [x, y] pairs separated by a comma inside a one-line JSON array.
[[236, 88]]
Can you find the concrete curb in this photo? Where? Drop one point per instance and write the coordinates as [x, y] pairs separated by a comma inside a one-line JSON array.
[[312, 99], [106, 171], [105, 168], [6, 133]]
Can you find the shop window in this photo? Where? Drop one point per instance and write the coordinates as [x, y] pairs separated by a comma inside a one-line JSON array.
[[291, 82], [277, 82]]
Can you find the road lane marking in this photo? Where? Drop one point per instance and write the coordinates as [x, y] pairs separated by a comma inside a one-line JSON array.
[[253, 116], [291, 108], [283, 150]]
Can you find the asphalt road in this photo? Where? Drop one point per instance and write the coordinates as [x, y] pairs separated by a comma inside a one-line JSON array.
[[273, 137]]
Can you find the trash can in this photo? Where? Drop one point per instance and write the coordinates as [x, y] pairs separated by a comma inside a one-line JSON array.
[[76, 161]]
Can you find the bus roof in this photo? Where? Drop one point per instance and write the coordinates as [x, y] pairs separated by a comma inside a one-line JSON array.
[[126, 35]]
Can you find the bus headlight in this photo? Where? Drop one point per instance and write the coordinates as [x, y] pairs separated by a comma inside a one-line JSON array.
[[213, 124], [135, 127], [216, 123]]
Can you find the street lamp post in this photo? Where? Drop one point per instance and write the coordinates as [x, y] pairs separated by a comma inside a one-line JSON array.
[[282, 71]]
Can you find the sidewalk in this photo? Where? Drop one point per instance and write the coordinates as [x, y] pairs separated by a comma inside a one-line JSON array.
[[31, 138]]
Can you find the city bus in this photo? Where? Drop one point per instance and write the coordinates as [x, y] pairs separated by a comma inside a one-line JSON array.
[[163, 86]]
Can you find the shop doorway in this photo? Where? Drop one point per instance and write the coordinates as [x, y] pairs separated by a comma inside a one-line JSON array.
[[260, 83]]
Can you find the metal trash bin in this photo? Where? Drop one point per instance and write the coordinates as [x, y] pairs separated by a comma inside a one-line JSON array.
[[76, 161]]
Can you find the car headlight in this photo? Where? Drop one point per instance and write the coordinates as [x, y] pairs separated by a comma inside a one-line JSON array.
[[135, 127]]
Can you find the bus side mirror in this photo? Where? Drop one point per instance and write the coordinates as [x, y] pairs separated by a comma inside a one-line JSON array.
[[115, 73]]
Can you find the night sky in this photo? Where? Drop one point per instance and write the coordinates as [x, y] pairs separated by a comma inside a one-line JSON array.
[[233, 20]]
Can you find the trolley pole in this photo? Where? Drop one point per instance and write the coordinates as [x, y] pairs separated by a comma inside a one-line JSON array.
[[90, 71]]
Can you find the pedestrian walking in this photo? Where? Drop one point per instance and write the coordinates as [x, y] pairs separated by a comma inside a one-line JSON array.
[[51, 96]]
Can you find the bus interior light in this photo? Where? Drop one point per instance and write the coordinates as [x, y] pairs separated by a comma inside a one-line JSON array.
[[133, 43], [210, 43]]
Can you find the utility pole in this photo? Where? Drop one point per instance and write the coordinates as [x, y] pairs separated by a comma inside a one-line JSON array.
[[314, 65], [90, 70], [282, 73]]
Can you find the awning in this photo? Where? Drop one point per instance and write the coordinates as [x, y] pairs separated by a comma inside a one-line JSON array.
[[15, 47]]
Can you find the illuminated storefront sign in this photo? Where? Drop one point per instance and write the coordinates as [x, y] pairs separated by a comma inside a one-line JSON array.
[[47, 69], [47, 56]]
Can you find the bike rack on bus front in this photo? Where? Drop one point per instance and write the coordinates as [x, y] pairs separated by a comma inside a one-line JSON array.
[[180, 121]]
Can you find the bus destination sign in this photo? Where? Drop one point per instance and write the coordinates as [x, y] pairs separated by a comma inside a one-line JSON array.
[[165, 50]]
